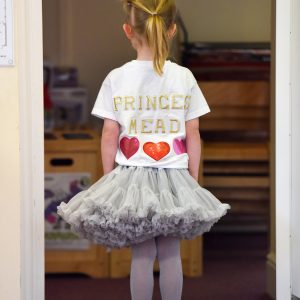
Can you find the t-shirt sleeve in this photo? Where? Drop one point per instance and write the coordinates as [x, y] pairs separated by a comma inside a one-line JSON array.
[[197, 102], [103, 107]]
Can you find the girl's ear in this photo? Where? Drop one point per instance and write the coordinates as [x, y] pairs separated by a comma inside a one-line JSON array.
[[128, 31], [172, 31]]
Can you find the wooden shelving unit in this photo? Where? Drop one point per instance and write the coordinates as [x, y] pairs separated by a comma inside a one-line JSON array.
[[236, 150], [66, 153]]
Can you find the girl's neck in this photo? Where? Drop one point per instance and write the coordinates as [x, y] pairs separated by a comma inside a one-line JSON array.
[[144, 53]]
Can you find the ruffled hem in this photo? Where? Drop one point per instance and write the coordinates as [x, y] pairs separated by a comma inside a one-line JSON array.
[[132, 204]]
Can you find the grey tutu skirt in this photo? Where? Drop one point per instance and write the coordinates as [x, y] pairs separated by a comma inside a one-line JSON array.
[[132, 204]]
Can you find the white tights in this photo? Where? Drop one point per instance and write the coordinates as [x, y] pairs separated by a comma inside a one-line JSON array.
[[167, 250]]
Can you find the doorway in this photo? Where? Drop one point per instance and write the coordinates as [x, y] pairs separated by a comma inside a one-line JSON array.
[[282, 233]]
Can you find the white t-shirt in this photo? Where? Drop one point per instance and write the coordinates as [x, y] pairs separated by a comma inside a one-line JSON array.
[[151, 111]]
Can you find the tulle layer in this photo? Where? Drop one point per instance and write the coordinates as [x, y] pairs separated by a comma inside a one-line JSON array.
[[132, 204]]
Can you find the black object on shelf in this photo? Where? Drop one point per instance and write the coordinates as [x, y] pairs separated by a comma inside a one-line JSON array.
[[77, 136], [49, 136]]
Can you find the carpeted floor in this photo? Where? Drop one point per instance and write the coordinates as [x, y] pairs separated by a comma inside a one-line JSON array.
[[234, 269]]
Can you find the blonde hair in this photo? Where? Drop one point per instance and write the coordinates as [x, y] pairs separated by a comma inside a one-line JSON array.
[[152, 19]]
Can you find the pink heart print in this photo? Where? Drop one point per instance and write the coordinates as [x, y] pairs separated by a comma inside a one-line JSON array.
[[129, 146], [179, 146]]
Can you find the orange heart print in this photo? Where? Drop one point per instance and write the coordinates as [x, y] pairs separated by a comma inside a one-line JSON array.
[[156, 150]]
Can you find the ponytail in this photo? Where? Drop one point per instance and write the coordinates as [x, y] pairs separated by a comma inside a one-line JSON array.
[[153, 18], [156, 34]]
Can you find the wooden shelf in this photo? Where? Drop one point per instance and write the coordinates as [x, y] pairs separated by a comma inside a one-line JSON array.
[[236, 147]]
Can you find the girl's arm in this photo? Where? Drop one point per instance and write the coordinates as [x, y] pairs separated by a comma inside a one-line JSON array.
[[109, 144], [193, 146]]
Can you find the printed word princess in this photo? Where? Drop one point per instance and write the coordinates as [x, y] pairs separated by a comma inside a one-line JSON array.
[[153, 103], [162, 102]]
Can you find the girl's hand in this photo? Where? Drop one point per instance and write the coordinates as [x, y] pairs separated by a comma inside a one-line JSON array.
[[193, 146], [109, 144]]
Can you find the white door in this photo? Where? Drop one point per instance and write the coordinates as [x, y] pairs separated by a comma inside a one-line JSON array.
[[287, 149], [295, 138]]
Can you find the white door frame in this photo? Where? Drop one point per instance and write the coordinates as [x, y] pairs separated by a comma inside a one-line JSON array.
[[32, 151], [30, 63], [283, 148]]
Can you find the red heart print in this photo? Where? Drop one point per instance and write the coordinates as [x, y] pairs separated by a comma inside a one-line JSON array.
[[179, 146], [156, 150], [129, 146]]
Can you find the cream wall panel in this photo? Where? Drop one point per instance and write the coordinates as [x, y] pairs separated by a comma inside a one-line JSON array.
[[21, 160], [10, 177], [9, 185], [230, 20]]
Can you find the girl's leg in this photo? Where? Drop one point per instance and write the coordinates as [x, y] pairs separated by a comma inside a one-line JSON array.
[[141, 275], [170, 277]]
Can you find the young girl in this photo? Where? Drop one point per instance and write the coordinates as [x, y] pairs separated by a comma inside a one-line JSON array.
[[152, 199]]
